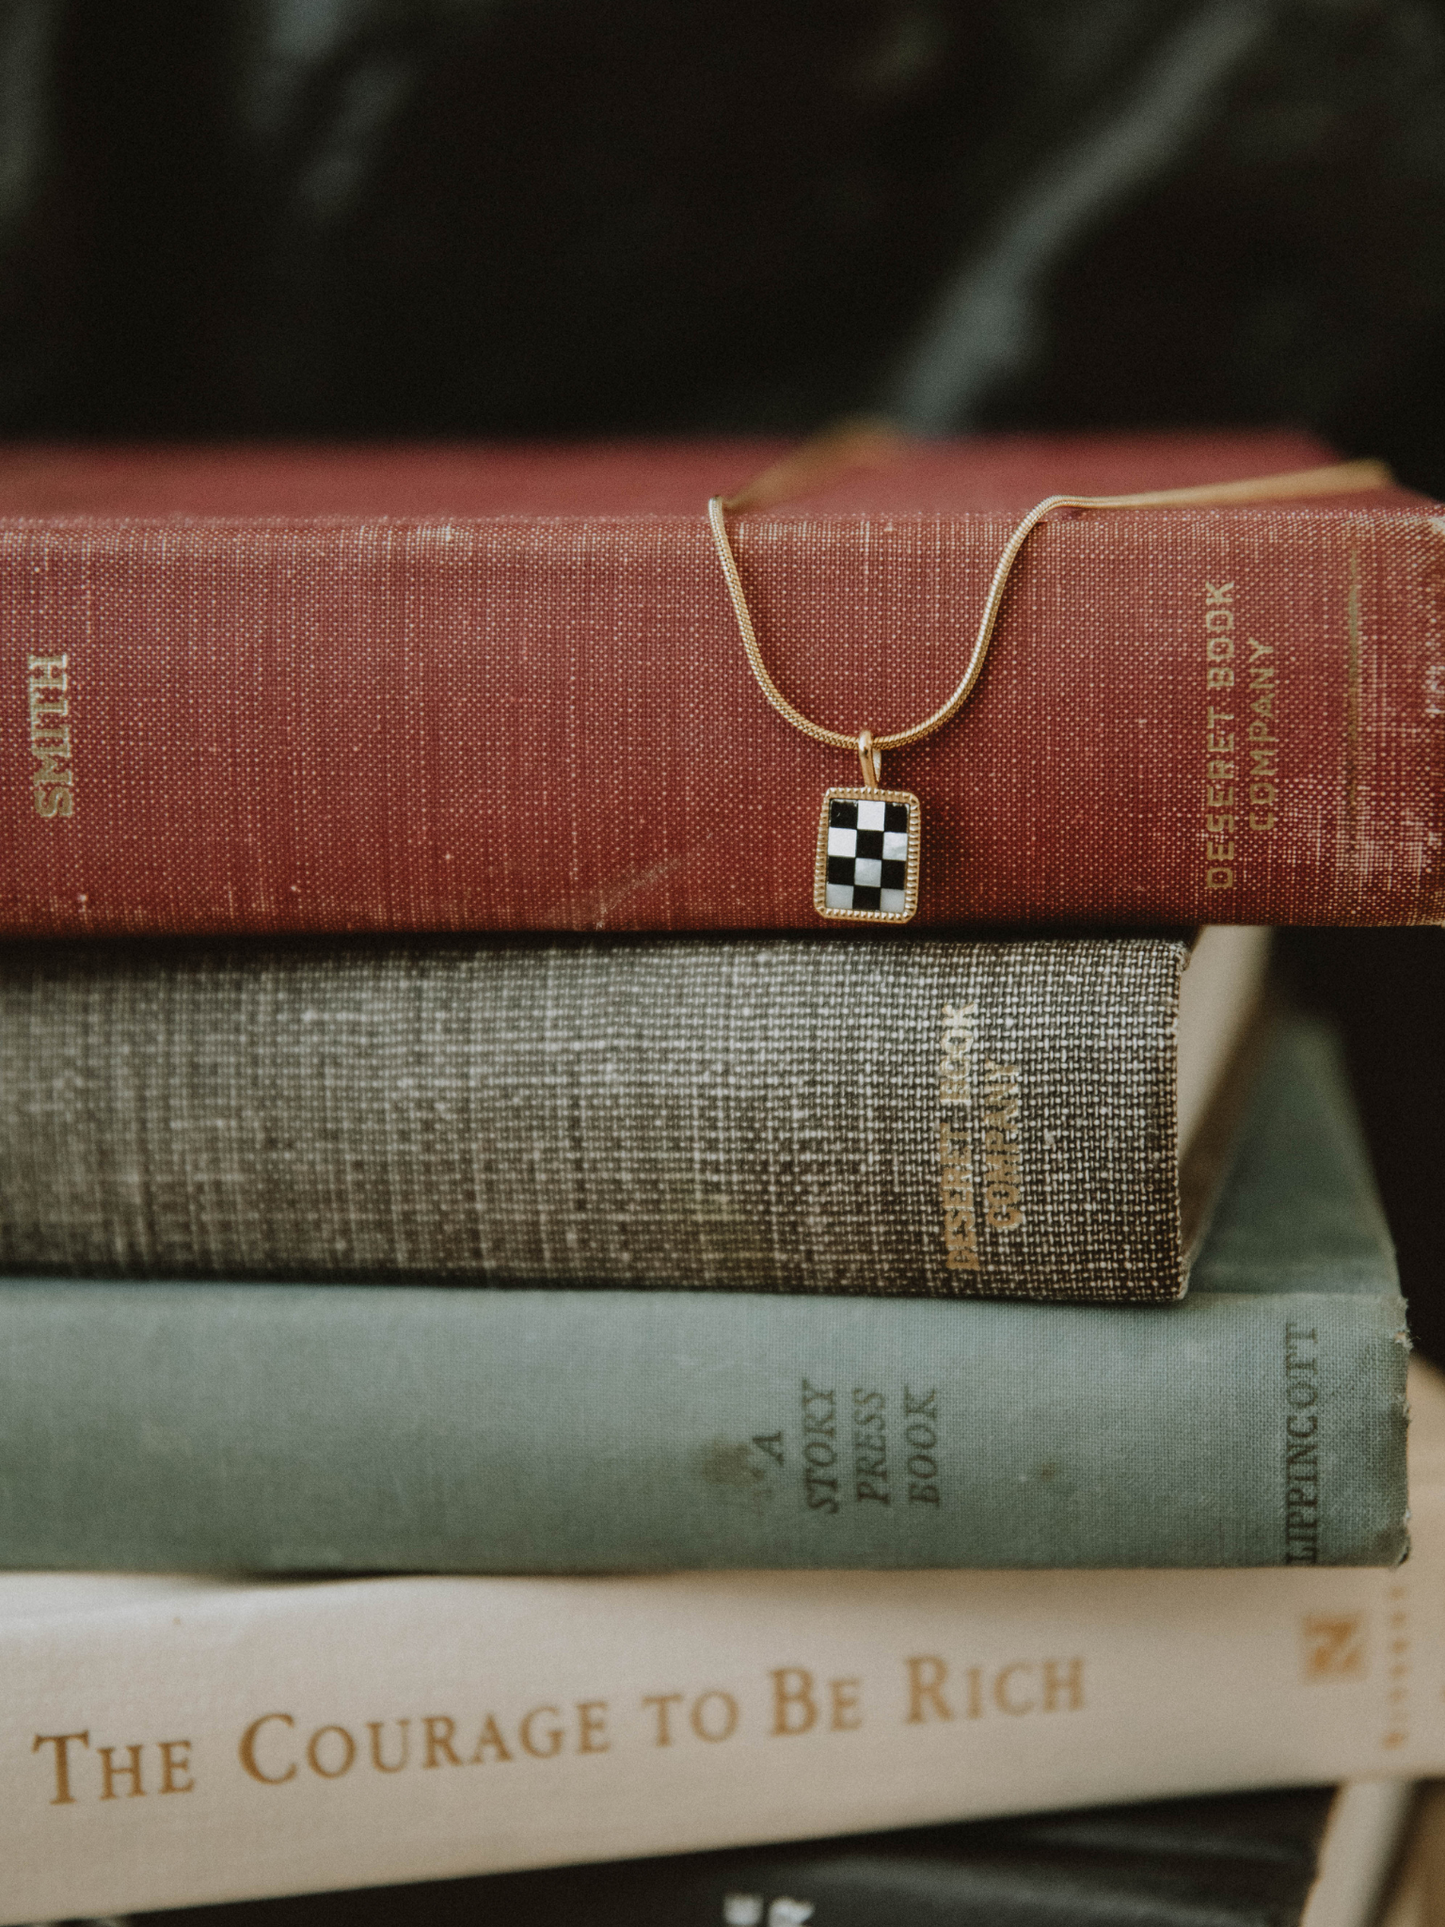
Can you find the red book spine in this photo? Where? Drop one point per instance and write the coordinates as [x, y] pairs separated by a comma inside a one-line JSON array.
[[510, 724]]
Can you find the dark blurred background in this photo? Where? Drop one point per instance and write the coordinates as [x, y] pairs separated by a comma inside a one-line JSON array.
[[519, 217]]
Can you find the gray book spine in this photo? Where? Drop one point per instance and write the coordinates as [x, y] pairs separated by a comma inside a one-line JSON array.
[[927, 1118], [1261, 1422]]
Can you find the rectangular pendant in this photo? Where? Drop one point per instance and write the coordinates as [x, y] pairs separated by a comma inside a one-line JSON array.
[[867, 862]]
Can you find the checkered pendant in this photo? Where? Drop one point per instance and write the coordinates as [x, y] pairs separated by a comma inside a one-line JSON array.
[[868, 847]]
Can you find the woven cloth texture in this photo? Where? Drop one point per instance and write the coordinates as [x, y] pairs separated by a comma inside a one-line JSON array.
[[775, 1115], [546, 722]]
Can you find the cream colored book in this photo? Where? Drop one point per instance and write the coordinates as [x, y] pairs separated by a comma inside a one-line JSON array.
[[174, 1741]]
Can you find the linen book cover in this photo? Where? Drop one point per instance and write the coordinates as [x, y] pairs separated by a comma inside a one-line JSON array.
[[502, 689], [926, 1118]]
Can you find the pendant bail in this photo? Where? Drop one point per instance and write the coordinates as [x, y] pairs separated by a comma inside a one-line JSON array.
[[871, 760]]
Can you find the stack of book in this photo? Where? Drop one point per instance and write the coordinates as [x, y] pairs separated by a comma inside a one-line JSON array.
[[527, 1352]]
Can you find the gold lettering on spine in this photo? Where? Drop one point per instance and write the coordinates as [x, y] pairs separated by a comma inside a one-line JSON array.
[[1260, 737], [1002, 1172], [331, 1762], [551, 1741], [247, 1751], [440, 1730], [926, 1675], [62, 1743], [1220, 797], [714, 1716], [592, 1727], [1004, 1695], [1236, 797], [130, 1771], [663, 1702], [794, 1708], [490, 1739], [1021, 1687], [1062, 1686], [1398, 1669], [383, 1766], [955, 1147], [175, 1760], [847, 1713], [48, 699], [975, 1692], [1334, 1646]]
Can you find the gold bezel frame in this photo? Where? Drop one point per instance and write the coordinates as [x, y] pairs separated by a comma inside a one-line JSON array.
[[910, 876]]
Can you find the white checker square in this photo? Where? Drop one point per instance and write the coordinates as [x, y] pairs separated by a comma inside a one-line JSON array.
[[870, 814], [842, 842], [895, 846], [868, 871]]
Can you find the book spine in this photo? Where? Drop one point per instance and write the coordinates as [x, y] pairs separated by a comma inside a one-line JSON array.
[[1156, 1864], [271, 1428], [922, 1117], [1192, 716], [232, 1741]]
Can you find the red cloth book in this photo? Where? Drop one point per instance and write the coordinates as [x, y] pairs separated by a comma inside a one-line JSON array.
[[472, 688]]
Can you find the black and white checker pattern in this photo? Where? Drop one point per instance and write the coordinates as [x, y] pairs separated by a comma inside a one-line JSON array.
[[868, 855]]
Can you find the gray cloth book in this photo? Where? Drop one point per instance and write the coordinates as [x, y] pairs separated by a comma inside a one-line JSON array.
[[1037, 1120], [331, 1428]]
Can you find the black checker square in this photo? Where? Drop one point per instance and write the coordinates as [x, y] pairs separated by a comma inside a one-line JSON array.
[[869, 845]]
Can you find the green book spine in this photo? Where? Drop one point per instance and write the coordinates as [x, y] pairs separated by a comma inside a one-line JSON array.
[[1260, 1422], [919, 1118]]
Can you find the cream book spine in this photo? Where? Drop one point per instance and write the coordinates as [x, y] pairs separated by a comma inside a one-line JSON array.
[[168, 1742]]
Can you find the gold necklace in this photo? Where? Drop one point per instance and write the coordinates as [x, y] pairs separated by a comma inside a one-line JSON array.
[[869, 844]]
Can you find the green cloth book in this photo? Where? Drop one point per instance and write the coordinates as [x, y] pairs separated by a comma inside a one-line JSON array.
[[331, 1428], [1042, 1120]]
